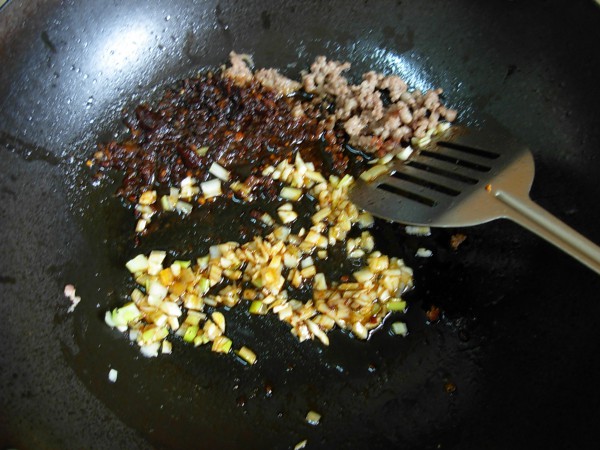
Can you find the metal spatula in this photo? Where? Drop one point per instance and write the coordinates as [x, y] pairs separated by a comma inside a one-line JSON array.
[[467, 177]]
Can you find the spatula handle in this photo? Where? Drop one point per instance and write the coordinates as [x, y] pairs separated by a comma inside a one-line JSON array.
[[530, 215]]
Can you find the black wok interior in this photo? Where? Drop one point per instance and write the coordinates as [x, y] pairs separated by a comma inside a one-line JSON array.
[[518, 340]]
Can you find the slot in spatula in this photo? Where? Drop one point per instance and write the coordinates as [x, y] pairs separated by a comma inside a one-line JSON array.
[[466, 177]]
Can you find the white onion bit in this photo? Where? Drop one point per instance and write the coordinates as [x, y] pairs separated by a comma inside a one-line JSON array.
[[418, 231], [424, 253], [211, 188], [219, 171], [300, 445], [112, 375], [313, 417]]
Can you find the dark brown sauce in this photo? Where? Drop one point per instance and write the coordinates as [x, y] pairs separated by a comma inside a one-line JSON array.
[[211, 119]]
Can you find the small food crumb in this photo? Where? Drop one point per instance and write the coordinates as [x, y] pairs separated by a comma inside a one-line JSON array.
[[456, 240], [112, 375], [424, 253], [167, 347], [433, 314], [70, 294], [301, 444], [418, 231], [399, 328], [450, 387], [246, 355], [488, 187], [313, 417]]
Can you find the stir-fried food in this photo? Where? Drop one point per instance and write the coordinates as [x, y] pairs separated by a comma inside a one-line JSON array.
[[246, 136]]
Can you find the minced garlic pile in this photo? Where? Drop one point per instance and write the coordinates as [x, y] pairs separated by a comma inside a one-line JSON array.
[[256, 274]]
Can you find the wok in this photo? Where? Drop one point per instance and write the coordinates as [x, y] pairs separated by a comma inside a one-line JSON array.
[[518, 339]]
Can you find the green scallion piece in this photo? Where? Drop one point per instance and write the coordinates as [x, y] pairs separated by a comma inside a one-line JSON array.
[[190, 333], [397, 305]]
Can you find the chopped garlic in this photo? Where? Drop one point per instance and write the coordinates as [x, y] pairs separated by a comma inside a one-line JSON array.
[[147, 198], [418, 231], [247, 355], [219, 171], [172, 299], [141, 225], [405, 153], [424, 253], [300, 445], [290, 193], [399, 328], [112, 375], [374, 172], [211, 188], [287, 216], [313, 417]]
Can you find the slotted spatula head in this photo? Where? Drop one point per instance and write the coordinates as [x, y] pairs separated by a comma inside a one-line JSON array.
[[450, 181]]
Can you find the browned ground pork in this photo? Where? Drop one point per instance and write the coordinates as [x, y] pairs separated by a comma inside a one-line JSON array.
[[372, 124], [360, 110]]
